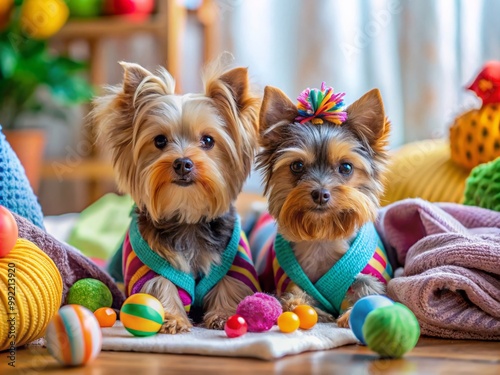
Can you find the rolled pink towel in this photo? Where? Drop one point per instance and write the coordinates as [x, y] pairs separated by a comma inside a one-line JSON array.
[[451, 259]]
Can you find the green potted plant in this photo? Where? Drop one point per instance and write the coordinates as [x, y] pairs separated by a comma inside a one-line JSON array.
[[28, 66]]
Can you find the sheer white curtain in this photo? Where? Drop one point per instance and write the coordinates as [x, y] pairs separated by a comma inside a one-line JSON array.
[[420, 53]]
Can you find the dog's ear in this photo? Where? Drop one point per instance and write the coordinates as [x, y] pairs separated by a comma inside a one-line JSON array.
[[239, 106], [230, 87], [133, 75], [232, 95], [277, 112], [276, 107], [366, 118], [237, 81]]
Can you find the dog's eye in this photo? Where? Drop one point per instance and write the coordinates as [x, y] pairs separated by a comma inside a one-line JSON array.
[[207, 142], [345, 169], [297, 166], [160, 142]]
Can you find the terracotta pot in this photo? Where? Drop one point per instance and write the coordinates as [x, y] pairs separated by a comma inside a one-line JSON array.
[[28, 146]]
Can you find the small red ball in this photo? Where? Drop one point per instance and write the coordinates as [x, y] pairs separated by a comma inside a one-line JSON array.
[[8, 231], [235, 326]]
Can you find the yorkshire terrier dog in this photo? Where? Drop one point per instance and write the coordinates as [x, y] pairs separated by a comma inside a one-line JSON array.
[[183, 159], [323, 173]]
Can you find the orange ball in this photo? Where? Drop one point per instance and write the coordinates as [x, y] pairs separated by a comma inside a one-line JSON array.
[[288, 322], [106, 316], [8, 231], [307, 315]]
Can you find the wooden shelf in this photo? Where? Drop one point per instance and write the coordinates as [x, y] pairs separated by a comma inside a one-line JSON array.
[[86, 169], [107, 26]]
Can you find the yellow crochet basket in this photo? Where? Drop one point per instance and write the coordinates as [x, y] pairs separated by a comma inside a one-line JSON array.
[[31, 288], [475, 136], [424, 170]]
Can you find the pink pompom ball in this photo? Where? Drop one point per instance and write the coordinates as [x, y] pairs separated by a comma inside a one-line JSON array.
[[260, 311]]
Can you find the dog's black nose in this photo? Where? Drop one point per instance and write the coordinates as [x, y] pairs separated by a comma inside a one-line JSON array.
[[321, 196], [183, 166]]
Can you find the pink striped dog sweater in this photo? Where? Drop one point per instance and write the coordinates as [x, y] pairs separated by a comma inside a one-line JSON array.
[[279, 270], [141, 264]]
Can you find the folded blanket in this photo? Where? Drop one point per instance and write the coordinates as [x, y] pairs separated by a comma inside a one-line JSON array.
[[451, 259], [264, 345], [72, 265]]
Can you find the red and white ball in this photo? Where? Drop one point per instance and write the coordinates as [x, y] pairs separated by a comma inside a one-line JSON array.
[[74, 336]]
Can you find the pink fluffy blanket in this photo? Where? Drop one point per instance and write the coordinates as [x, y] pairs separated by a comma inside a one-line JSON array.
[[451, 259]]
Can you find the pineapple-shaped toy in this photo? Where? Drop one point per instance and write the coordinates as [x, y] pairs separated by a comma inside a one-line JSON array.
[[475, 135]]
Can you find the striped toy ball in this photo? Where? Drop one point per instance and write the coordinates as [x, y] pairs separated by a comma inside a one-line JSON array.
[[74, 336], [142, 314]]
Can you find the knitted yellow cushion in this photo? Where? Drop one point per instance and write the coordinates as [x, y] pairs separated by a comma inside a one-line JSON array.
[[475, 136], [424, 169], [31, 293]]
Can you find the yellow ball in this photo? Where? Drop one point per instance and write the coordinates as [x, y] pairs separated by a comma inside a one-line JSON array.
[[288, 322], [40, 19], [33, 293], [142, 314]]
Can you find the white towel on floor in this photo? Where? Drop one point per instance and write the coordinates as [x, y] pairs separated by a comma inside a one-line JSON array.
[[266, 345]]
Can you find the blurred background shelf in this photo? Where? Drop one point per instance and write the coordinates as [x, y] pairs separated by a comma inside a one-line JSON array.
[[111, 25], [166, 25], [86, 169]]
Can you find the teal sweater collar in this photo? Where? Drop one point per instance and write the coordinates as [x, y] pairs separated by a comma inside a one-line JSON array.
[[186, 281], [331, 288]]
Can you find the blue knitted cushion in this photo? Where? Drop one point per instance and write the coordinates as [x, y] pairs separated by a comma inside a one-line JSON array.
[[15, 191]]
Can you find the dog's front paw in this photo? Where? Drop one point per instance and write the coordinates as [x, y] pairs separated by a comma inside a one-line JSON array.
[[364, 285], [324, 317], [175, 324], [343, 320], [290, 301], [215, 320]]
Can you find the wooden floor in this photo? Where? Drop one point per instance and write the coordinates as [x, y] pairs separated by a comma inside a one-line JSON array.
[[431, 356]]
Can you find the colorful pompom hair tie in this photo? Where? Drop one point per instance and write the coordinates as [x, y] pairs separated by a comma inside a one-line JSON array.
[[321, 105]]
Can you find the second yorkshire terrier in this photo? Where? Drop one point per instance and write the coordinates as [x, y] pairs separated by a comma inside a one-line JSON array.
[[183, 159], [323, 172]]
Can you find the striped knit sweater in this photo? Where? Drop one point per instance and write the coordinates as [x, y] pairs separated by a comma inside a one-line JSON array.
[[279, 270], [141, 264]]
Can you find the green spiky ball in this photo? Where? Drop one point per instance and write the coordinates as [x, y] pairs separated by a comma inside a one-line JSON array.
[[391, 331], [482, 187], [90, 293]]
